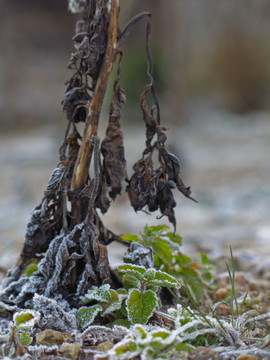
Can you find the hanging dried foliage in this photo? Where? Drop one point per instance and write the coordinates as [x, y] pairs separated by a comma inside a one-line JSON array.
[[65, 236], [151, 187]]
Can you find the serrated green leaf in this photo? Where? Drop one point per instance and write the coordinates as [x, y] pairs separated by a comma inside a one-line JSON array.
[[131, 267], [174, 237], [162, 278], [24, 339], [86, 315], [115, 304], [140, 305], [121, 291], [132, 273], [101, 294], [151, 233], [182, 260], [130, 237], [154, 229], [192, 279], [149, 275], [162, 249], [122, 322]]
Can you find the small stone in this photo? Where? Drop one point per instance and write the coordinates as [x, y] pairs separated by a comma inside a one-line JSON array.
[[51, 337], [104, 346], [203, 353], [221, 293], [241, 280], [247, 357], [222, 310], [268, 323], [70, 351], [253, 286]]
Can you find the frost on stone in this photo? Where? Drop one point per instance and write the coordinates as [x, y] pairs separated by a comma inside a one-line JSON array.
[[52, 315], [40, 351]]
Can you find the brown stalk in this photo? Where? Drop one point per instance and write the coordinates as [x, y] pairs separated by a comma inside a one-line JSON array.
[[80, 173]]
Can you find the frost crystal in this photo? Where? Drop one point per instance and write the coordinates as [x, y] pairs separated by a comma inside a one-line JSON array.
[[53, 316]]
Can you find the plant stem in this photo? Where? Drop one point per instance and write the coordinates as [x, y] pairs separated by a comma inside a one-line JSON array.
[[80, 173]]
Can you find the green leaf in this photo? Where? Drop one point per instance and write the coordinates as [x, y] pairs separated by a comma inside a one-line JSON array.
[[101, 294], [86, 315], [174, 237], [122, 322], [150, 233], [123, 350], [184, 347], [132, 273], [115, 304], [192, 279], [204, 258], [140, 305], [162, 334], [182, 260], [24, 339], [162, 249], [161, 278], [141, 331], [23, 317], [206, 268], [130, 237], [30, 269]]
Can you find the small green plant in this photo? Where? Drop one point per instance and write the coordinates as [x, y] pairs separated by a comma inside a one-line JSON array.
[[19, 336], [148, 344], [140, 296], [143, 285], [168, 257]]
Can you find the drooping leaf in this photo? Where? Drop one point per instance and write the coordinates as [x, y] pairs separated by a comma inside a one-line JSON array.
[[140, 305], [112, 148]]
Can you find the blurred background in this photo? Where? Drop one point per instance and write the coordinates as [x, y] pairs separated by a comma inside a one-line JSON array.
[[212, 70]]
